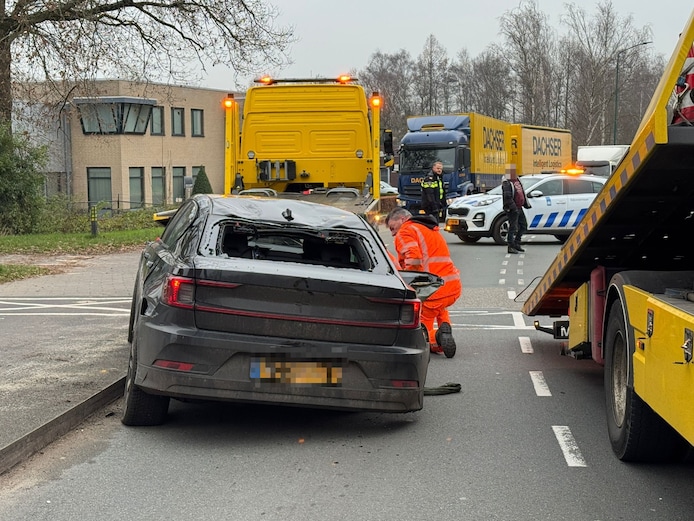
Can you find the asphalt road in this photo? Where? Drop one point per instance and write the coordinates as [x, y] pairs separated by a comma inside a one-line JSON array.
[[525, 439]]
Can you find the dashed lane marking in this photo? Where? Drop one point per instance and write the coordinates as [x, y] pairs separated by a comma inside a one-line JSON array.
[[525, 345], [569, 447], [540, 384]]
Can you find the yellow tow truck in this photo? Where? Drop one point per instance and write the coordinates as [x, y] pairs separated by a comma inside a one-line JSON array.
[[313, 139], [625, 277]]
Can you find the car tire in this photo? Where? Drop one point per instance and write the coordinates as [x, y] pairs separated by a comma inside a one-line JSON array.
[[468, 238], [141, 409], [500, 229], [636, 432]]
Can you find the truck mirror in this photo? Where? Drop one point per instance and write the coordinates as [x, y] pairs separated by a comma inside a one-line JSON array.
[[388, 141], [465, 157]]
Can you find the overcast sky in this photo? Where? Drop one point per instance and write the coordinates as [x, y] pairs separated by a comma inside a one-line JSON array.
[[338, 36]]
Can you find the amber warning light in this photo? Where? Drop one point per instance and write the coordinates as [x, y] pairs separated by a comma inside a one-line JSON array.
[[376, 100], [229, 101]]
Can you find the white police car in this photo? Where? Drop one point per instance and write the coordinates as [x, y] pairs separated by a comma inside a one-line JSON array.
[[558, 201]]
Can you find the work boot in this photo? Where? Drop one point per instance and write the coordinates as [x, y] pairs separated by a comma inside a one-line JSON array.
[[437, 350], [517, 247], [444, 338], [511, 249]]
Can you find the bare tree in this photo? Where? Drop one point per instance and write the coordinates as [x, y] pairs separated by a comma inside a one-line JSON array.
[[492, 84], [600, 43], [68, 41], [391, 75], [529, 46], [432, 73], [464, 84]]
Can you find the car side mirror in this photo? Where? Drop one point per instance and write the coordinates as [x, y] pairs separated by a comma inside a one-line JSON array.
[[535, 193]]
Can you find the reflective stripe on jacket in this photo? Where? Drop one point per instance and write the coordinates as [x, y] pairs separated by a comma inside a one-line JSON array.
[[423, 249]]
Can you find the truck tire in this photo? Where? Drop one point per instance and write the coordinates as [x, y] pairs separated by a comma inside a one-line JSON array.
[[636, 432], [500, 229], [140, 408], [468, 238]]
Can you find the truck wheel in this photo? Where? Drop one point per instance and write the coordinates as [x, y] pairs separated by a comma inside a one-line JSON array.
[[500, 230], [468, 238], [635, 431], [139, 407]]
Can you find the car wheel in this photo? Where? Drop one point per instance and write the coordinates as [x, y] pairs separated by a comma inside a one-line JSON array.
[[561, 238], [139, 407], [468, 238], [636, 432], [500, 229]]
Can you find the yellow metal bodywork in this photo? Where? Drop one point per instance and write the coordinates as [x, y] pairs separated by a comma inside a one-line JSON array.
[[547, 298], [661, 376], [536, 149], [488, 144], [326, 129], [579, 332]]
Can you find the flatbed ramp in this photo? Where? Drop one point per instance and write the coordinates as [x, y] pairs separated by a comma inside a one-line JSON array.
[[643, 219]]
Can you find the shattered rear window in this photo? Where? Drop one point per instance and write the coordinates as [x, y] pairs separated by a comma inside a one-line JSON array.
[[332, 248]]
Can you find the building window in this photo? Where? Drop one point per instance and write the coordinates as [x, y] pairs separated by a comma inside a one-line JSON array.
[[99, 185], [157, 127], [137, 189], [179, 172], [114, 115], [158, 185], [178, 127], [196, 123]]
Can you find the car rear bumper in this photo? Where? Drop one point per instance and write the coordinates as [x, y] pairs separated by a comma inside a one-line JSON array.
[[218, 367]]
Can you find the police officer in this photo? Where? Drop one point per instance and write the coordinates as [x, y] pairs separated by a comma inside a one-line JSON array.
[[433, 192]]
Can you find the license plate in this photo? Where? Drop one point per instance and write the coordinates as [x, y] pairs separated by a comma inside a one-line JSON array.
[[453, 222], [310, 372]]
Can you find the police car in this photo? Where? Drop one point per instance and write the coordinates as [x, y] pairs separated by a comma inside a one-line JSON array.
[[558, 201]]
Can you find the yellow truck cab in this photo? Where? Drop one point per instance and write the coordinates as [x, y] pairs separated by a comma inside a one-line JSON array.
[[317, 139]]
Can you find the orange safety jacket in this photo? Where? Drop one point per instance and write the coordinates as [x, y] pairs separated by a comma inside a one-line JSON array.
[[422, 248]]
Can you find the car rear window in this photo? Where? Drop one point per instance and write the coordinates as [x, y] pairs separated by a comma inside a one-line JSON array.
[[337, 250]]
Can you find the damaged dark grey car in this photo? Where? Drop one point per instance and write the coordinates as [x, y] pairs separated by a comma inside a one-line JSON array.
[[272, 301]]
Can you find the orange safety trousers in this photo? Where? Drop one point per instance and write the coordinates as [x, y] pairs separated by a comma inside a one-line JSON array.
[[436, 309]]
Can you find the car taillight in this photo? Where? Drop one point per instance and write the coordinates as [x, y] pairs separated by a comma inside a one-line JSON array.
[[179, 292], [409, 313]]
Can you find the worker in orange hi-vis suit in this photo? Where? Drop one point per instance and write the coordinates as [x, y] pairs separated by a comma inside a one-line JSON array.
[[421, 247]]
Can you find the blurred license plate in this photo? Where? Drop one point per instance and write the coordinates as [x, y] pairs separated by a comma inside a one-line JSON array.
[[297, 372], [453, 222]]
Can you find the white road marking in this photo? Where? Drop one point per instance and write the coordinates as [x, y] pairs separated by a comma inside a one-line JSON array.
[[518, 320], [511, 294], [521, 282], [519, 271], [55, 306], [569, 447], [502, 272], [502, 282], [539, 383], [525, 345]]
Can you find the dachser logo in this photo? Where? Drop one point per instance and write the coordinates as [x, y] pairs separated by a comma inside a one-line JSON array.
[[493, 138], [546, 146]]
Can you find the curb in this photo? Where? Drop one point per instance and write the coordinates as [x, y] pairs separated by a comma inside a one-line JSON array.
[[28, 445]]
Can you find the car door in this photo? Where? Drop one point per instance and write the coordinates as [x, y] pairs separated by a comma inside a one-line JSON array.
[[579, 195], [549, 206]]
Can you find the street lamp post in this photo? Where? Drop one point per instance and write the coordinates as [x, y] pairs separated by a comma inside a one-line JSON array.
[[616, 88]]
